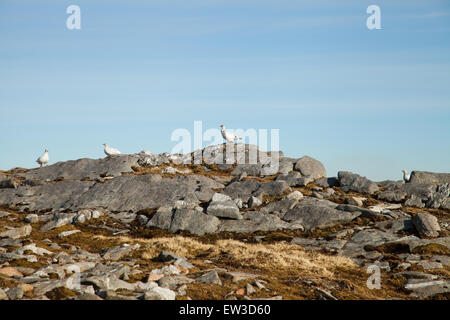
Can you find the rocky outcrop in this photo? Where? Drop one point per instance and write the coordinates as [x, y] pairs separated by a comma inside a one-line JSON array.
[[354, 182], [122, 204], [424, 177]]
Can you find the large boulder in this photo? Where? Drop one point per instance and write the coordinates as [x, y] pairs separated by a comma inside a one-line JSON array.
[[124, 193], [308, 166], [223, 206], [426, 224], [241, 189], [193, 221], [425, 177], [354, 182], [312, 213]]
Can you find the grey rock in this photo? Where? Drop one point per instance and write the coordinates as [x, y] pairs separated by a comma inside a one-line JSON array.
[[17, 233], [295, 179], [159, 293], [354, 182], [273, 188], [440, 197], [4, 214], [15, 293], [249, 169], [253, 221], [327, 182], [254, 202], [193, 221], [85, 168], [308, 166], [223, 206], [31, 218], [124, 217], [173, 282], [425, 177], [312, 214], [281, 207], [394, 226], [161, 219], [426, 224], [8, 182], [355, 246], [286, 165], [427, 288], [427, 265], [416, 275], [444, 260], [210, 277], [241, 189], [58, 220], [117, 253], [414, 201]]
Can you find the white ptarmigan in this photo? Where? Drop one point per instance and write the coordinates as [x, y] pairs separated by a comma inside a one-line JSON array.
[[228, 136], [43, 160], [110, 151], [406, 176]]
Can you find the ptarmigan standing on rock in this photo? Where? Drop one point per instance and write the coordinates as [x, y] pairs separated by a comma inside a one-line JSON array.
[[228, 136], [110, 151], [43, 160], [406, 176]]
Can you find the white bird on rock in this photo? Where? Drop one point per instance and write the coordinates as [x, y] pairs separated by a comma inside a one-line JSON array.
[[43, 160], [406, 176], [228, 136], [110, 151]]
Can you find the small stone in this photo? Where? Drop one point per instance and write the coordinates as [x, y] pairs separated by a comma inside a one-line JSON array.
[[296, 195], [159, 293], [32, 218], [15, 293], [210, 277], [67, 233], [154, 277], [167, 270], [249, 288], [254, 202], [355, 201], [17, 233], [427, 265], [10, 272]]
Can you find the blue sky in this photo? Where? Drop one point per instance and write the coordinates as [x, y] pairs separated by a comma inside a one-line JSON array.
[[368, 101]]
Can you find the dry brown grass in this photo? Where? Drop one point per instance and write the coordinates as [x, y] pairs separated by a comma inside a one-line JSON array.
[[267, 256]]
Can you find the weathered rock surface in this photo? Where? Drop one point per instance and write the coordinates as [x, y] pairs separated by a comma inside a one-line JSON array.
[[352, 181], [426, 224], [313, 213], [425, 177], [311, 167], [223, 206]]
